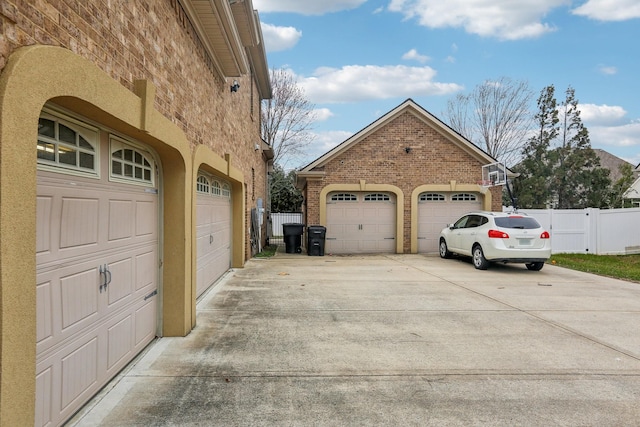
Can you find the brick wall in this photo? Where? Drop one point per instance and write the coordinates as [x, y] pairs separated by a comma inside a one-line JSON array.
[[152, 40], [381, 158]]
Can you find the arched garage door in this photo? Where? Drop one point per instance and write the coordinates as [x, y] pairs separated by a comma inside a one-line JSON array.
[[361, 222], [213, 230], [97, 261], [436, 210]]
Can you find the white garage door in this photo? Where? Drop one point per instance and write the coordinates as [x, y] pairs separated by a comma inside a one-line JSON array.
[[213, 230], [436, 210], [360, 223], [97, 262]]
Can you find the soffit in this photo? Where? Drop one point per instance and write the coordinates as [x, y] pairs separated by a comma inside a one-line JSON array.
[[230, 31], [215, 23]]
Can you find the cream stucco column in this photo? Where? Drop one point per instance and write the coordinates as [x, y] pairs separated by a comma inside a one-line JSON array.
[[33, 76]]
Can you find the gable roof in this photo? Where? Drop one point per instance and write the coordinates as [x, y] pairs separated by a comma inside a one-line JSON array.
[[611, 162], [407, 106]]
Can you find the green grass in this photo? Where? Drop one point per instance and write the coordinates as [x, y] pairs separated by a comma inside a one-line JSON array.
[[625, 267], [267, 251]]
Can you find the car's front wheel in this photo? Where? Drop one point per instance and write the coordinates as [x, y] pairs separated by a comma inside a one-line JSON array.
[[444, 251], [479, 261], [535, 266]]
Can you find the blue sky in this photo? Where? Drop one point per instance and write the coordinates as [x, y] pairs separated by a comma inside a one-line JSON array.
[[358, 59]]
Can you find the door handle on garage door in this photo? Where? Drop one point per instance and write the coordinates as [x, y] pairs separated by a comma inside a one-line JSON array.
[[105, 276]]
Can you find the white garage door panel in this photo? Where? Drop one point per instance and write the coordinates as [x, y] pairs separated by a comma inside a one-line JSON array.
[[67, 227], [213, 239], [359, 226], [434, 215], [87, 333], [84, 364]]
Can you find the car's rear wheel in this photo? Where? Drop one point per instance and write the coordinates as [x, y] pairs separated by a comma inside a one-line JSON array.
[[535, 266], [444, 251], [479, 261]]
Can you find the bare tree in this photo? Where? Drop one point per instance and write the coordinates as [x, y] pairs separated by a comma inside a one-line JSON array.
[[495, 116], [287, 118]]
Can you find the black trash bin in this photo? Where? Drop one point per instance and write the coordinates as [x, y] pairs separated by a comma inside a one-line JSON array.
[[315, 240], [292, 237]]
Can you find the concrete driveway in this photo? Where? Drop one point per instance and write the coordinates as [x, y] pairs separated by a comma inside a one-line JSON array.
[[391, 340]]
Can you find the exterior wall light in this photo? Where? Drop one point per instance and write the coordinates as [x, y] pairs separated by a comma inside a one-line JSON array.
[[407, 150], [235, 86]]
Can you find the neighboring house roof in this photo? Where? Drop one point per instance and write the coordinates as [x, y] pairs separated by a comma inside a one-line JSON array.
[[313, 168], [634, 191], [611, 162]]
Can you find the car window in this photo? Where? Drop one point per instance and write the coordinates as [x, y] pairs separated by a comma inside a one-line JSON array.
[[521, 222], [476, 221], [461, 223]]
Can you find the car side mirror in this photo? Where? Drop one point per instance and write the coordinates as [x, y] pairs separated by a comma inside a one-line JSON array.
[[451, 226]]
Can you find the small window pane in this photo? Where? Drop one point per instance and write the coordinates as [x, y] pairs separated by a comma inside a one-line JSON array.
[[67, 135], [147, 175], [83, 143], [67, 156], [128, 170], [46, 128], [138, 158], [116, 168], [46, 151], [138, 171], [128, 155], [117, 154], [86, 160]]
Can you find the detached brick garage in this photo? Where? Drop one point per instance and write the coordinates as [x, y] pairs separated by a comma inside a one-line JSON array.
[[394, 185]]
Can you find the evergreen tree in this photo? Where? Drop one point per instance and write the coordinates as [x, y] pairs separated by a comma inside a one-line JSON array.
[[532, 187], [285, 197], [577, 179], [559, 168]]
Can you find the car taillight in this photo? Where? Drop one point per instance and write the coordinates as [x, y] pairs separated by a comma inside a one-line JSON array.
[[496, 234], [545, 235]]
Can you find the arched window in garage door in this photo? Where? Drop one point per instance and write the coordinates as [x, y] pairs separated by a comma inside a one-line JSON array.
[[463, 197], [344, 197], [67, 144], [432, 197]]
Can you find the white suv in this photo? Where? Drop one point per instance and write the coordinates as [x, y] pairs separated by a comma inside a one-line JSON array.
[[497, 237]]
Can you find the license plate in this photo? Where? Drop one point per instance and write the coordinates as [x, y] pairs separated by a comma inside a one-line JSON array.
[[525, 242]]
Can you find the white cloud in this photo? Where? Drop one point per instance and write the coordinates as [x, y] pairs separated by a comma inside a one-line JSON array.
[[609, 10], [414, 55], [627, 135], [597, 115], [313, 7], [322, 114], [279, 38], [504, 19], [353, 83], [608, 70]]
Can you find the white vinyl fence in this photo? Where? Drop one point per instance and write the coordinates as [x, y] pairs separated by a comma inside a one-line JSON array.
[[277, 219], [592, 230]]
